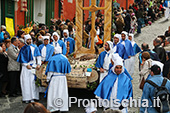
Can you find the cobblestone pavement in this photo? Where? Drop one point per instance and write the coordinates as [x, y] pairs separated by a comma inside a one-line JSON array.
[[14, 105]]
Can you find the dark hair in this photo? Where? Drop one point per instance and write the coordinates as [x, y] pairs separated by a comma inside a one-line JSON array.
[[157, 40], [145, 46], [13, 39], [156, 69], [35, 107]]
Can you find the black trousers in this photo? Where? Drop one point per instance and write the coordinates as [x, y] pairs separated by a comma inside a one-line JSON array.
[[14, 81]]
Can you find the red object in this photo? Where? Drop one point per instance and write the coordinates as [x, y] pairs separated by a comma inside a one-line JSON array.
[[99, 40]]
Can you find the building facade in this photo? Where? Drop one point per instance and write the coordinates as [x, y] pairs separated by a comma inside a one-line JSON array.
[[41, 11]]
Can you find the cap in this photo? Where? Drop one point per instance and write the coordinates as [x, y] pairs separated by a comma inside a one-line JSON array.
[[155, 68]]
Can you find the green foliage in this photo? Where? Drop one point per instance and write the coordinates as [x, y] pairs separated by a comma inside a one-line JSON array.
[[92, 86]]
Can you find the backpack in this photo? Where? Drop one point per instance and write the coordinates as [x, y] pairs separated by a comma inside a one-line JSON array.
[[163, 94]]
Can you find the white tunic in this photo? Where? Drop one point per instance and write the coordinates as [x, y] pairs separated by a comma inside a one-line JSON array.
[[167, 11], [57, 90], [29, 89], [107, 61]]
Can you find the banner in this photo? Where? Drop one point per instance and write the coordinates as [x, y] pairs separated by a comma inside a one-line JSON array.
[[9, 22]]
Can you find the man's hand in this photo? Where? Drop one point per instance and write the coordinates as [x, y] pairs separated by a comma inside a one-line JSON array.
[[38, 67], [129, 56], [29, 67], [102, 70]]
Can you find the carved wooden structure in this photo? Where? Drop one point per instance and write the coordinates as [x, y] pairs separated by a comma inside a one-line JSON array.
[[79, 24]]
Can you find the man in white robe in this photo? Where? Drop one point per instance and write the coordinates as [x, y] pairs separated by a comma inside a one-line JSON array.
[[57, 67], [104, 60], [30, 59]]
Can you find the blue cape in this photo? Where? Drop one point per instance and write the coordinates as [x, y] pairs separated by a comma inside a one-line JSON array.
[[128, 49], [49, 51], [72, 44], [136, 49], [120, 49], [59, 64], [25, 54], [124, 90], [166, 3], [62, 45], [36, 51], [100, 60]]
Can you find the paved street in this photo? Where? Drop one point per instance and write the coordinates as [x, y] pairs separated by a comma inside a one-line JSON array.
[[14, 105]]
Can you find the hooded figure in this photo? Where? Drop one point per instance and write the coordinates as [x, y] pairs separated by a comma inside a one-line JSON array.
[[131, 60], [56, 69], [104, 60], [46, 49], [59, 46], [117, 46], [116, 85], [69, 39], [30, 58]]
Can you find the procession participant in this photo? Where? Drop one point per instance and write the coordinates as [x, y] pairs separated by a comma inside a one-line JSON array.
[[167, 10], [56, 69], [46, 49], [57, 43], [71, 40], [129, 52], [117, 46], [116, 85], [30, 58], [104, 60], [131, 61]]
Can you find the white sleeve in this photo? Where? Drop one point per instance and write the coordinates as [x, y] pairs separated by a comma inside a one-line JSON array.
[[98, 32], [39, 60], [25, 64]]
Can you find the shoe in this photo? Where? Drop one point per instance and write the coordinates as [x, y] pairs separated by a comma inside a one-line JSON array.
[[12, 95], [26, 102]]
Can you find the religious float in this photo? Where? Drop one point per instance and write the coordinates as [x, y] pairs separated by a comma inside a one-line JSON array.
[[83, 73]]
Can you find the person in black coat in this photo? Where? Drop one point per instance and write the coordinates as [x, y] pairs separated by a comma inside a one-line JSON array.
[[3, 72], [166, 67], [159, 50]]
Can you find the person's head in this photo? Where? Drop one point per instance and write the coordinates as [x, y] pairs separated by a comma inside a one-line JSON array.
[[32, 34], [21, 43], [118, 69], [155, 70], [34, 27], [145, 46], [3, 27], [117, 38], [5, 35], [7, 43], [66, 33], [124, 35], [3, 47], [14, 41], [55, 36], [108, 46], [46, 39], [145, 56], [35, 107], [28, 39], [157, 41], [131, 37]]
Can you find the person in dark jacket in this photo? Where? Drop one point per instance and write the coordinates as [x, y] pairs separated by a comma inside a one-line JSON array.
[[159, 50], [3, 72], [166, 68]]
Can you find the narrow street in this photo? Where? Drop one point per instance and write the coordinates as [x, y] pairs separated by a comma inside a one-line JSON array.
[[15, 105]]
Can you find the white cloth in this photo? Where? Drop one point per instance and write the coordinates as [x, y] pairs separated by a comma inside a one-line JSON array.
[[46, 37], [57, 90], [29, 89], [167, 11], [43, 53], [130, 65], [161, 65], [66, 31], [26, 37], [102, 75], [56, 34]]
